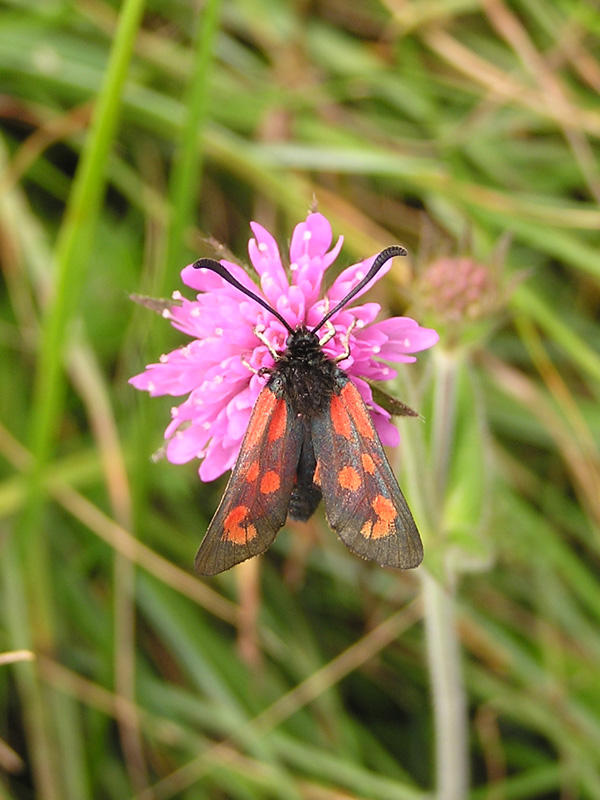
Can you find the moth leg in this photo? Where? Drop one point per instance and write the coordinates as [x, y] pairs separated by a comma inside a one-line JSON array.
[[329, 335], [260, 371], [249, 366], [346, 342], [261, 337]]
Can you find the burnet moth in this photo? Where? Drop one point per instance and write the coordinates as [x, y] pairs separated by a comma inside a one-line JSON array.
[[310, 436]]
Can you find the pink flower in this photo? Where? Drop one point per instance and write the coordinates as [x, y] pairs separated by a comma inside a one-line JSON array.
[[219, 368]]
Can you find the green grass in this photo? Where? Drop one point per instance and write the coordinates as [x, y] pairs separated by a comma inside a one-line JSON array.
[[130, 131]]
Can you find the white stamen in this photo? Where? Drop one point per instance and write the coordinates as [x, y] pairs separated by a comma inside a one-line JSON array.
[[293, 266], [218, 331], [307, 235], [195, 312], [163, 359], [218, 379], [174, 411], [262, 247], [206, 426], [166, 314], [176, 295], [406, 343]]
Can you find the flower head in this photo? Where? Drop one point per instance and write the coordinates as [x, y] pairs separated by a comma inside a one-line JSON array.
[[459, 289], [225, 365]]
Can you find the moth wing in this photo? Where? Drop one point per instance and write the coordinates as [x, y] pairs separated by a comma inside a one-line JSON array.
[[391, 404], [363, 502], [255, 503]]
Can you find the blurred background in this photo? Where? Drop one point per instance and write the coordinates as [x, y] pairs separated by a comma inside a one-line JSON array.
[[465, 130]]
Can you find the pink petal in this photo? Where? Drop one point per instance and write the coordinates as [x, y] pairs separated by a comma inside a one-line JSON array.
[[388, 432], [311, 238], [204, 280], [266, 260], [351, 276], [218, 460], [187, 444]]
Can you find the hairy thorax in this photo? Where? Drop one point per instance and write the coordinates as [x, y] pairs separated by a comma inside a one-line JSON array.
[[304, 374]]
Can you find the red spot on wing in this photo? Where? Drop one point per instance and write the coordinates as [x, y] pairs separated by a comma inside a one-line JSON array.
[[234, 528], [384, 508], [270, 482], [368, 463], [357, 410], [339, 416], [349, 479], [278, 421], [252, 472], [386, 515], [263, 408]]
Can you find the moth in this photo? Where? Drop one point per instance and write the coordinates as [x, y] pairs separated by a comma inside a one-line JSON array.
[[310, 437]]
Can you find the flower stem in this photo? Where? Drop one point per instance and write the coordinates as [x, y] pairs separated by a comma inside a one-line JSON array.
[[443, 646], [444, 416], [447, 690]]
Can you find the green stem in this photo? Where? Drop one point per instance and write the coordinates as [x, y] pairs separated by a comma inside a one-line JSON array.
[[74, 243], [443, 646], [443, 418], [31, 620], [41, 745], [71, 258], [447, 688], [534, 306], [187, 162]]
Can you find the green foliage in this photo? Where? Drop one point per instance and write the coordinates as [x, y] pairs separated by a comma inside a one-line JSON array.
[[129, 131]]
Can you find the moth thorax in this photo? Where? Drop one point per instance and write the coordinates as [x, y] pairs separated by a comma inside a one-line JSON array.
[[307, 374]]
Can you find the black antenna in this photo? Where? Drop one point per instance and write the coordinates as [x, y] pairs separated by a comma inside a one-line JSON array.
[[210, 263], [385, 255]]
